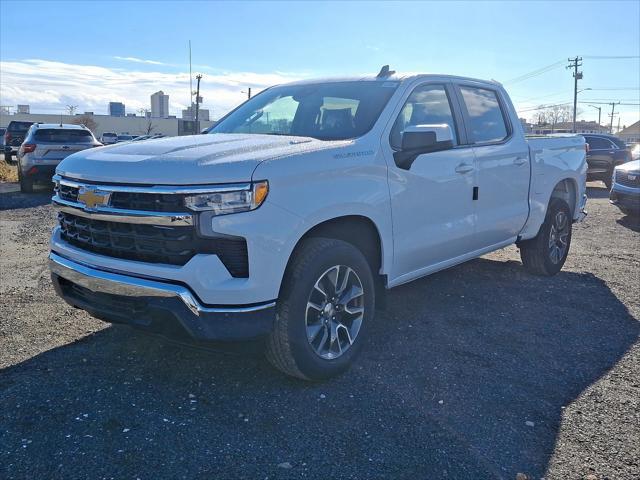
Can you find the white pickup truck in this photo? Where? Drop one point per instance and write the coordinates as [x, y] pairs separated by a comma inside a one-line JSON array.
[[294, 214]]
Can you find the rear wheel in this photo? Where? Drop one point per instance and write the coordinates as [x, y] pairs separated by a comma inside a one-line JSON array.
[[7, 157], [324, 310], [546, 253], [608, 180]]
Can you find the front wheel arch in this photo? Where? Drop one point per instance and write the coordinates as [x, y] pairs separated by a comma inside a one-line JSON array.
[[359, 231]]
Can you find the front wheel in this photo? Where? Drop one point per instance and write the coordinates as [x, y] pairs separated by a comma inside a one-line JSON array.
[[546, 253], [324, 311]]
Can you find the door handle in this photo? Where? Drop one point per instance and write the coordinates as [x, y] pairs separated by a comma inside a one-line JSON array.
[[520, 160], [464, 168]]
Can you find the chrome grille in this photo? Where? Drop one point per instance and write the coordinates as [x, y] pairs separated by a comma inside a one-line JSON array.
[[151, 243], [622, 178]]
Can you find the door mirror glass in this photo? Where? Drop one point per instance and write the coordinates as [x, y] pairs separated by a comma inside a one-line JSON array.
[[419, 139]]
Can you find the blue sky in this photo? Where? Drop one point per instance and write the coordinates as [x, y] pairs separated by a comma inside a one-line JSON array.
[[81, 53]]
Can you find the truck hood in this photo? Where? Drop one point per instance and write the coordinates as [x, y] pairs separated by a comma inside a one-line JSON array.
[[189, 160]]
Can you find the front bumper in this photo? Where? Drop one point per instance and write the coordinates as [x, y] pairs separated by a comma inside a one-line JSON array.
[[166, 308], [627, 198]]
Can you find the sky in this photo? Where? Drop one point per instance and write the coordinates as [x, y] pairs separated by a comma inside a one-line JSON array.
[[54, 54]]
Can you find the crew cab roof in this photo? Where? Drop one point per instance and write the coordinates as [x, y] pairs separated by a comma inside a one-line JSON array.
[[407, 77]]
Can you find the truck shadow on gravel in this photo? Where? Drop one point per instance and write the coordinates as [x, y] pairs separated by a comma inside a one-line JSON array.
[[465, 377], [10, 200]]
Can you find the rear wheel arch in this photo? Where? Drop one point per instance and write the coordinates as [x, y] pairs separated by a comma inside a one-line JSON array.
[[566, 190]]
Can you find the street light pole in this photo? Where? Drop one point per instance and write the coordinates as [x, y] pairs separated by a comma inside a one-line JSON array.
[[599, 112]]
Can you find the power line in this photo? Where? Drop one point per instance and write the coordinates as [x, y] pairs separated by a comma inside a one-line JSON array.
[[609, 103], [535, 73], [610, 57], [541, 107]]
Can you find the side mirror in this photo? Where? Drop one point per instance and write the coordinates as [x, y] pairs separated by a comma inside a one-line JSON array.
[[419, 139]]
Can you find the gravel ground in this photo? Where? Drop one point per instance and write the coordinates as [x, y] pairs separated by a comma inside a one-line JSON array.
[[481, 371]]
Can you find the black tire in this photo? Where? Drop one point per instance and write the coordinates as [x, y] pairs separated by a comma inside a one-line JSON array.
[[26, 185], [536, 253], [288, 347], [608, 181], [7, 157]]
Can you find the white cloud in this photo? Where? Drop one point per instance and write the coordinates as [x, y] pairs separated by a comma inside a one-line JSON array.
[[49, 86], [139, 60]]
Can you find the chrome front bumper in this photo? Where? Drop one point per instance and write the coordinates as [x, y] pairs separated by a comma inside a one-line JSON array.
[[175, 301]]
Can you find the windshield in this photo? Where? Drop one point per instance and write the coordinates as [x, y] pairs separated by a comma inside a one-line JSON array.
[[19, 126], [326, 111]]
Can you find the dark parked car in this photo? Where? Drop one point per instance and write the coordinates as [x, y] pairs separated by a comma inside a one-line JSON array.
[[605, 153], [13, 138], [625, 193]]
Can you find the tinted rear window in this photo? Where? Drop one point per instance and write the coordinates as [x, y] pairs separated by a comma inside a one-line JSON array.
[[485, 115], [19, 126], [51, 135]]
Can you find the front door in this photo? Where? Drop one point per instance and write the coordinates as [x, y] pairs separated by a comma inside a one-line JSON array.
[[432, 201]]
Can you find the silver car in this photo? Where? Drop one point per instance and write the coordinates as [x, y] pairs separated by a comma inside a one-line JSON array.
[[45, 146]]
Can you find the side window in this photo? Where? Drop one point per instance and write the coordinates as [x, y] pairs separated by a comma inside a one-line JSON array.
[[427, 105], [487, 123], [597, 143]]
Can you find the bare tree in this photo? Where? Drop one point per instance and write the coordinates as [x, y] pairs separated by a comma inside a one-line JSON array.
[[555, 114], [87, 121], [150, 127], [71, 109]]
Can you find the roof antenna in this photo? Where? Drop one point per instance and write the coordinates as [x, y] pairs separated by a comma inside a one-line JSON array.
[[385, 72]]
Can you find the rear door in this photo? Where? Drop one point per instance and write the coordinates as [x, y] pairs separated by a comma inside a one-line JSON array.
[[502, 158], [600, 155], [53, 144]]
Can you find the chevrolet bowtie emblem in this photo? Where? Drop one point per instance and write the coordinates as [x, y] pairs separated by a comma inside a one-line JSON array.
[[92, 197]]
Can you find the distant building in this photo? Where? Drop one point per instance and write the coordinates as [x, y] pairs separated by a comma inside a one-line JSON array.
[[131, 115], [23, 109], [116, 109], [567, 127], [159, 105], [631, 133], [190, 114]]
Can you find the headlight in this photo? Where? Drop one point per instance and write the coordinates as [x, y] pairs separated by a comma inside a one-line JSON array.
[[229, 201]]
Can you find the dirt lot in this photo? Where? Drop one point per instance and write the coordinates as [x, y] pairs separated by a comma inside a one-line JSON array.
[[482, 371]]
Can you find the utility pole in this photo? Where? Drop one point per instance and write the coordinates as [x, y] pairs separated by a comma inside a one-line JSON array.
[[249, 94], [575, 63], [198, 77], [190, 78], [599, 112], [613, 109]]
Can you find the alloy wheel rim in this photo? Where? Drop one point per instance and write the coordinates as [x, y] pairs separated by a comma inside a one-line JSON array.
[[334, 312], [558, 237]]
